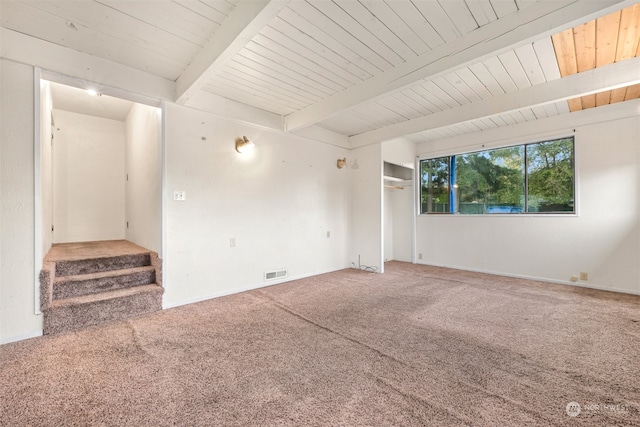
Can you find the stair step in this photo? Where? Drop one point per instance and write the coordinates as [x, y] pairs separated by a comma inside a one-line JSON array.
[[85, 284], [81, 311], [97, 265]]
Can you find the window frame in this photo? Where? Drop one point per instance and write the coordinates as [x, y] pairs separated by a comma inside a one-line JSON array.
[[453, 185]]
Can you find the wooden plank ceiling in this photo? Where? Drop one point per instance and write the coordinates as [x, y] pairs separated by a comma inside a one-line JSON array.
[[611, 38], [368, 70]]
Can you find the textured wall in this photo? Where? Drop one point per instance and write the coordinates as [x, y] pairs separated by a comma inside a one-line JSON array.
[[89, 178], [17, 271], [144, 168], [603, 239], [278, 203]]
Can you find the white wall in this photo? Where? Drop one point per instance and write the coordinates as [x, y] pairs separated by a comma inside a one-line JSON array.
[[365, 164], [277, 202], [17, 297], [89, 178], [402, 222], [144, 169], [603, 239], [387, 215], [46, 166]]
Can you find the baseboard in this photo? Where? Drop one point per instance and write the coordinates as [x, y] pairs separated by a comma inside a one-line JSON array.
[[538, 279], [245, 289], [32, 334]]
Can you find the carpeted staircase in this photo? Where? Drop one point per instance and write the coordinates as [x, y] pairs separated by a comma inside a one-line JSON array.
[[84, 284]]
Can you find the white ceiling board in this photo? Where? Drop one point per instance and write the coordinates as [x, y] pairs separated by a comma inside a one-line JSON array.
[[500, 74], [504, 7], [244, 21], [66, 26], [234, 90], [438, 19], [261, 66], [547, 58], [348, 23], [410, 15], [484, 75], [562, 106], [365, 67], [286, 87], [253, 85], [424, 104], [222, 6], [300, 66], [619, 74], [455, 90], [482, 11], [460, 84], [183, 22], [278, 42], [459, 13], [215, 11], [472, 82], [513, 67], [71, 64], [391, 20], [306, 32], [530, 64], [494, 37], [339, 35], [379, 31], [528, 114], [429, 100]]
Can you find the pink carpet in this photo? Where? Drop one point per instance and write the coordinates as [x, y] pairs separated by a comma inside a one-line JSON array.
[[414, 346]]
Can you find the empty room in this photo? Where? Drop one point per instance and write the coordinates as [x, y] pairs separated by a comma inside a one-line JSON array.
[[319, 212]]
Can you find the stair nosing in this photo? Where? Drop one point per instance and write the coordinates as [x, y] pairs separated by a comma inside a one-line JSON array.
[[107, 295], [97, 258], [103, 274]]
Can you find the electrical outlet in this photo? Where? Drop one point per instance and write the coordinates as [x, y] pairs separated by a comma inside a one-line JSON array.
[[328, 234], [180, 196], [419, 256], [232, 242], [584, 276]]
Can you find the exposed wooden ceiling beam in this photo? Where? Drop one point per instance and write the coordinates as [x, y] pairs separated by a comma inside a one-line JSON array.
[[238, 112], [607, 77], [543, 18], [244, 22], [70, 62]]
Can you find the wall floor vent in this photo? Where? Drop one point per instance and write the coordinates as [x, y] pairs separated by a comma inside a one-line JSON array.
[[271, 275]]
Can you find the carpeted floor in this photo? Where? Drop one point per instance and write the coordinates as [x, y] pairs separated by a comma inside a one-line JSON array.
[[414, 346]]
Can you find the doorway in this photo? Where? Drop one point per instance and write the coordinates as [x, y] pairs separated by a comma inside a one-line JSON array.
[[398, 204], [100, 168]]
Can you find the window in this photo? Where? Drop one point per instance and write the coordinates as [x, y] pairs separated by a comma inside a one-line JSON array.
[[529, 178]]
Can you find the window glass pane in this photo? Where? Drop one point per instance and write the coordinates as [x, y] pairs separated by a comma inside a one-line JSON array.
[[491, 181], [434, 177], [550, 176]]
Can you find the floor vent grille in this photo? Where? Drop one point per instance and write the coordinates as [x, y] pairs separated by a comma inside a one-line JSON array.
[[271, 275]]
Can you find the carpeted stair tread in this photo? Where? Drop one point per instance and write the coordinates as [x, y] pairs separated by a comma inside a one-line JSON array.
[[76, 267], [89, 283], [104, 296], [76, 313], [85, 284]]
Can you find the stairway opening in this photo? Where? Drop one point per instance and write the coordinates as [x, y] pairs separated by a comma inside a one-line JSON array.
[[99, 181]]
